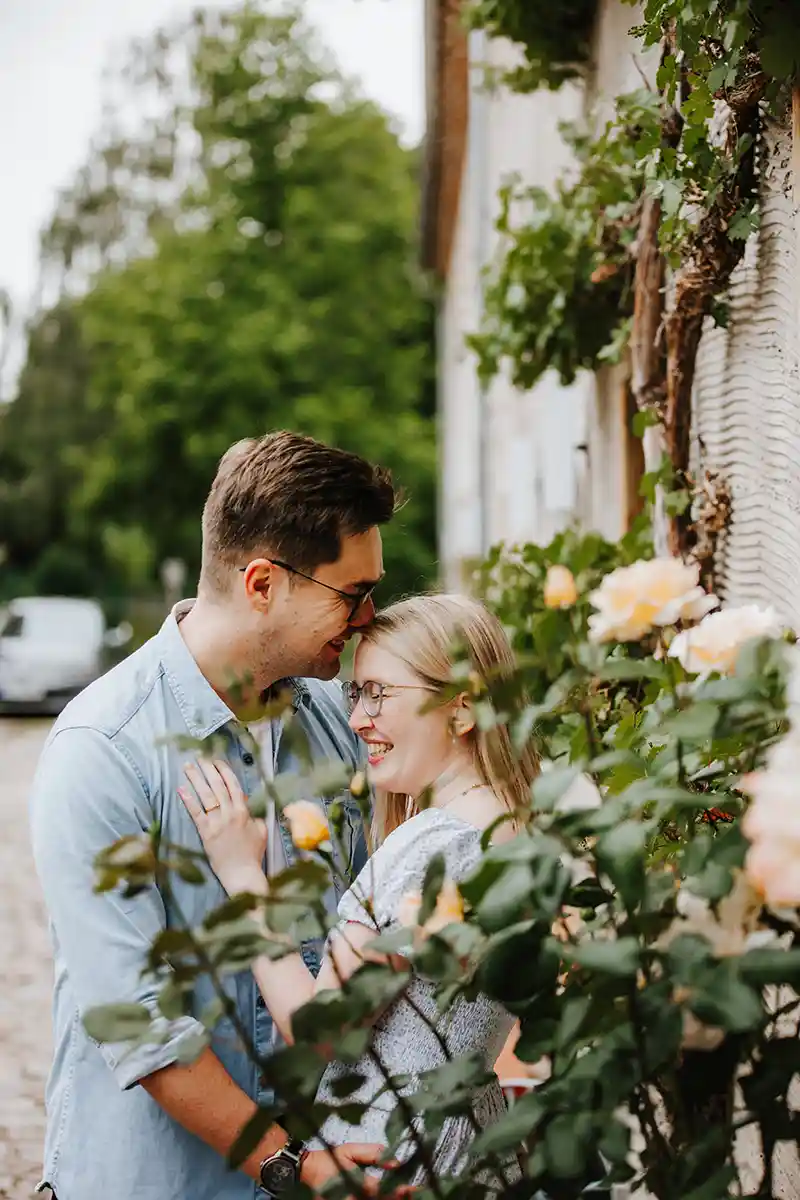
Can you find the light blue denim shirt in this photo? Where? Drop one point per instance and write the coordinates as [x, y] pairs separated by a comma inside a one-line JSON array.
[[111, 767]]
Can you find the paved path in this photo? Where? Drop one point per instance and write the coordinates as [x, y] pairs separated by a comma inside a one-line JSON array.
[[25, 970]]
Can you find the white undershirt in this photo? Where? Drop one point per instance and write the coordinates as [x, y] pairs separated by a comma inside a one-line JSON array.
[[263, 735]]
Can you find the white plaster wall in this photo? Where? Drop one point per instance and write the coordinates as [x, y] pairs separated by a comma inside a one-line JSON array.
[[536, 476]]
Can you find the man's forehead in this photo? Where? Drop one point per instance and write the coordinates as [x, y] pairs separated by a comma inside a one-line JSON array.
[[361, 559]]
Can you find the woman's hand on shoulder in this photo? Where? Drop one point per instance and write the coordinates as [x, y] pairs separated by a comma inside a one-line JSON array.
[[234, 841]]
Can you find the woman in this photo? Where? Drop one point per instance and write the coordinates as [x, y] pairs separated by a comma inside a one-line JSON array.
[[469, 779]]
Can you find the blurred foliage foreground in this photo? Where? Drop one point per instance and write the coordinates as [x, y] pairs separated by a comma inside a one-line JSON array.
[[643, 926], [242, 259]]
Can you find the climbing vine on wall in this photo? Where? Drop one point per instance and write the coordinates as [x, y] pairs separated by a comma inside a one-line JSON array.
[[556, 38], [666, 193]]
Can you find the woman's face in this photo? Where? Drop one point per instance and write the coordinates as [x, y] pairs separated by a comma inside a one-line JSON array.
[[408, 749]]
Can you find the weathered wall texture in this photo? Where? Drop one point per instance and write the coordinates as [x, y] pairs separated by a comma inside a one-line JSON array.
[[747, 400]]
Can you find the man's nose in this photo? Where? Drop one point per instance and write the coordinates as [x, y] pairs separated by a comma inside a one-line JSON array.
[[364, 614]]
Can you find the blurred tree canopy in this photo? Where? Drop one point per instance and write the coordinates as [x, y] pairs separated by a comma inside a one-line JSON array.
[[244, 260]]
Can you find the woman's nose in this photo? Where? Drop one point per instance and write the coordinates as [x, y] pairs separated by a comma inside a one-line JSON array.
[[358, 721]]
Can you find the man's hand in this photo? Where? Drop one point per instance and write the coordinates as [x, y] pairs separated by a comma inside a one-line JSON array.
[[319, 1166]]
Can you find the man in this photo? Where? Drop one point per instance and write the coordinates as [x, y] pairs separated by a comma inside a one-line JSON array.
[[291, 554]]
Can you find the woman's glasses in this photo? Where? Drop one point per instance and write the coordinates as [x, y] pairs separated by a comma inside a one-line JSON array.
[[372, 694]]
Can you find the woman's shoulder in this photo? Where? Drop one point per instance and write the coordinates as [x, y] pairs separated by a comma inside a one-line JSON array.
[[431, 823], [399, 864], [428, 833]]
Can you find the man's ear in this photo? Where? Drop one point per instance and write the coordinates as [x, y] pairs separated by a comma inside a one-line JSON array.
[[463, 719], [258, 581]]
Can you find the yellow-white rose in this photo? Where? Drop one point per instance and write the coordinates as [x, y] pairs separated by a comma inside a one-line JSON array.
[[559, 588], [307, 825], [449, 909], [772, 825], [714, 644], [633, 600], [408, 909]]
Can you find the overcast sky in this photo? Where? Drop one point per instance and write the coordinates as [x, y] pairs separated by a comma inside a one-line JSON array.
[[52, 56]]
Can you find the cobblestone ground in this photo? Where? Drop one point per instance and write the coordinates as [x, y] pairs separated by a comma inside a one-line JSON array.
[[25, 970]]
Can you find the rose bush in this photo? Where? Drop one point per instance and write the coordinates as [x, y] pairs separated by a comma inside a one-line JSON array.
[[642, 926]]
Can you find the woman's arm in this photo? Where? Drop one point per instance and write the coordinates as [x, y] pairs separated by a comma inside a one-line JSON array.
[[235, 844]]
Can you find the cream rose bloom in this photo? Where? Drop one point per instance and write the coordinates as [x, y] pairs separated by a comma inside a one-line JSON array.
[[559, 588], [714, 645], [449, 909], [307, 825], [772, 825], [632, 600]]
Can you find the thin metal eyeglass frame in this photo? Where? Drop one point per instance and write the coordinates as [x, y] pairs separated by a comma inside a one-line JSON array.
[[350, 689], [357, 601]]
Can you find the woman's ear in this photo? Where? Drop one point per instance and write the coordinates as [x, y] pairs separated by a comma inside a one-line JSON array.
[[463, 719]]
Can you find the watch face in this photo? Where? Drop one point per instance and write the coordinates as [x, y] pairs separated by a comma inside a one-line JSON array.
[[278, 1175]]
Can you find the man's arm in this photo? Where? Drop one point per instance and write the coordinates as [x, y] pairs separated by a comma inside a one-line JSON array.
[[206, 1101], [203, 1098], [86, 795]]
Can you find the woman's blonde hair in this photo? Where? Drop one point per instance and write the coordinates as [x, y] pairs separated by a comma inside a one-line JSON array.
[[423, 632]]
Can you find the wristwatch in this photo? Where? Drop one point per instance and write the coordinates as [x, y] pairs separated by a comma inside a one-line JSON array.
[[281, 1171]]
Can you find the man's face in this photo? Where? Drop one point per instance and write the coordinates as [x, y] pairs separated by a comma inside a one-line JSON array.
[[307, 625]]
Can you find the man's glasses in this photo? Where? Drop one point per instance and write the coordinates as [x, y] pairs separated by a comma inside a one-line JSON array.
[[372, 694], [356, 599]]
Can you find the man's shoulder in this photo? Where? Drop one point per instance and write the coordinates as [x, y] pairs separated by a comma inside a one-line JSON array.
[[111, 703]]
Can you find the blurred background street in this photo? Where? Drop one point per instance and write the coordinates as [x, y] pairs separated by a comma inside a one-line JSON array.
[[25, 995]]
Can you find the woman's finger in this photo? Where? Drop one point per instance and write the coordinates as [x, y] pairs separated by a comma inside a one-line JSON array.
[[202, 787], [215, 782], [195, 809], [238, 798]]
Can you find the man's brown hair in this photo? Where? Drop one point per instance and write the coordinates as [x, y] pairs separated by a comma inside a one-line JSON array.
[[289, 496]]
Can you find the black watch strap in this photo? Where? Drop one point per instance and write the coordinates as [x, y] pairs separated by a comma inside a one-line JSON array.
[[281, 1171]]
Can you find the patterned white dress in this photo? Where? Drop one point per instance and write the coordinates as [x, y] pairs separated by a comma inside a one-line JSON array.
[[404, 1044]]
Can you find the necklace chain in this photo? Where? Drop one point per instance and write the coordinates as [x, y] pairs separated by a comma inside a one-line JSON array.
[[459, 795]]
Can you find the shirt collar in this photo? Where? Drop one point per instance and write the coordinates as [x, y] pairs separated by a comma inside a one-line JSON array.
[[203, 710]]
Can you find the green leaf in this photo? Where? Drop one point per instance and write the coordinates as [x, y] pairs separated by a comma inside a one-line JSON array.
[[764, 966], [696, 723], [566, 1141], [780, 53], [116, 1022], [431, 887], [645, 419], [172, 999], [745, 222], [189, 871], [344, 1085], [617, 958], [676, 501], [191, 1046], [551, 785], [715, 1188], [253, 1132], [621, 853], [727, 1002], [628, 669], [671, 195], [512, 1129]]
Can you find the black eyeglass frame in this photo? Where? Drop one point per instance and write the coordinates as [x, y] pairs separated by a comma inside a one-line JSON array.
[[353, 692], [357, 599]]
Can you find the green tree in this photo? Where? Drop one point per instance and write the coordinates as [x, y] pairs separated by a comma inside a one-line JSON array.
[[257, 270]]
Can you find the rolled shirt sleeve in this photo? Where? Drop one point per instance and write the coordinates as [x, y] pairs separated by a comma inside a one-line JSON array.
[[88, 793]]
